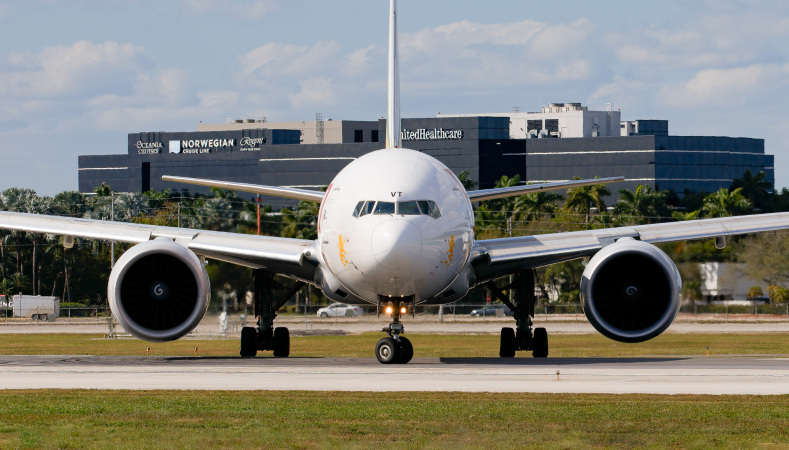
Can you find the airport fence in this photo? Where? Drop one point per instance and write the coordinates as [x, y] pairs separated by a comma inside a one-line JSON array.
[[723, 311], [83, 315]]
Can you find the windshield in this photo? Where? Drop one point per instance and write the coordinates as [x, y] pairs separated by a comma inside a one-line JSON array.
[[384, 208]]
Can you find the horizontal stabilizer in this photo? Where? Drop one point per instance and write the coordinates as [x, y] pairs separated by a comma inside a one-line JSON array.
[[276, 191], [490, 194]]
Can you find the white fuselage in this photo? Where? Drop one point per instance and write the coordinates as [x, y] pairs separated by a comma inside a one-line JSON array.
[[395, 223]]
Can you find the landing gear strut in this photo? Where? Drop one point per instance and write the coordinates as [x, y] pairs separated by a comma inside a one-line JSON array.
[[522, 338], [394, 349], [265, 336]]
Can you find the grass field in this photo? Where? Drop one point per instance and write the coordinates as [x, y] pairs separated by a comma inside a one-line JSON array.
[[441, 345], [178, 419]]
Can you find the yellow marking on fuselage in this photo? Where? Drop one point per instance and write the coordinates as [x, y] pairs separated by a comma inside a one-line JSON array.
[[341, 246], [451, 251]]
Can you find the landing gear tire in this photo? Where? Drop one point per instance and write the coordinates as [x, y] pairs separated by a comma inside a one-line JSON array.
[[540, 343], [387, 351], [249, 344], [508, 344], [281, 342], [406, 351]]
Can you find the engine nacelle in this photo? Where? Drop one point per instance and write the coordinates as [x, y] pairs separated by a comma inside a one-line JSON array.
[[158, 290], [631, 291]]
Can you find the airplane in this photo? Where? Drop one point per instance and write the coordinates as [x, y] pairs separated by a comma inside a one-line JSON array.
[[395, 229]]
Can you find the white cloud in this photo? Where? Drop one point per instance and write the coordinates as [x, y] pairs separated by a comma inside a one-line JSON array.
[[82, 69], [239, 9], [734, 87], [470, 58]]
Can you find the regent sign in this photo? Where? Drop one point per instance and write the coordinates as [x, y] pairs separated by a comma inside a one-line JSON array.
[[436, 134], [252, 142]]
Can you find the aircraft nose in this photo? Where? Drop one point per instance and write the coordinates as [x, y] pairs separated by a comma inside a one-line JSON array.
[[396, 244]]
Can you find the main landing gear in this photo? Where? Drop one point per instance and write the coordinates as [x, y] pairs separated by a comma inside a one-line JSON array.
[[522, 338], [394, 349], [265, 336]]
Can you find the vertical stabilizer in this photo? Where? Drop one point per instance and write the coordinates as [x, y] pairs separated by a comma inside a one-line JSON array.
[[393, 106]]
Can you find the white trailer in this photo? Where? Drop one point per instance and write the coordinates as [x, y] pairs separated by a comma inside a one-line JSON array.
[[36, 307]]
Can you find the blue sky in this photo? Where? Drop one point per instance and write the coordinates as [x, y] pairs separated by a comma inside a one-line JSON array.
[[76, 77]]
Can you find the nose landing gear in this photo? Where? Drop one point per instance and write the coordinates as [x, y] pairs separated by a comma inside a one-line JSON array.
[[394, 349]]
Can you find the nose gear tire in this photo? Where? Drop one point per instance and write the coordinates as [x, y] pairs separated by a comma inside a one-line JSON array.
[[387, 351]]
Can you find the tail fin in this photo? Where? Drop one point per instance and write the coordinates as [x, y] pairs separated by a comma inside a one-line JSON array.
[[393, 107]]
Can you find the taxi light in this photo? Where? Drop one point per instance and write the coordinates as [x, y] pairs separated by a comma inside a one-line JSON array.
[[402, 310]]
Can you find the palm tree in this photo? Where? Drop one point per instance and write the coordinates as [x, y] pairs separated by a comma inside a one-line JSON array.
[[582, 199], [754, 187], [467, 182], [724, 204], [18, 281], [301, 223], [6, 287], [643, 205], [533, 206]]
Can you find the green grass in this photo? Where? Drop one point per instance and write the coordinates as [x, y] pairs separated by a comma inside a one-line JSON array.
[[436, 345], [177, 419]]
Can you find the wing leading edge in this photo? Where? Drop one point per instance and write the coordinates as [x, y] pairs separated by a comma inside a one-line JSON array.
[[276, 191], [497, 257], [291, 257], [490, 194]]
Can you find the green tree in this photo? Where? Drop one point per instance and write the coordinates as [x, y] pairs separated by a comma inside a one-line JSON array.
[[536, 205], [724, 204], [755, 188], [764, 257], [302, 222], [467, 182], [644, 205], [582, 199]]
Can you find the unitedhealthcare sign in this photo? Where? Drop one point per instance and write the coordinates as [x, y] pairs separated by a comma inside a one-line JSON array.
[[436, 134]]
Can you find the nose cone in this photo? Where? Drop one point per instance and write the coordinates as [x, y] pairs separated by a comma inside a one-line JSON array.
[[397, 244]]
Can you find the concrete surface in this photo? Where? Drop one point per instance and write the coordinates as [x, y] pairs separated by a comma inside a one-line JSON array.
[[679, 375]]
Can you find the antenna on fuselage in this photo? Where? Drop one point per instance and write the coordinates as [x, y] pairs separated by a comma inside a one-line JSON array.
[[393, 104]]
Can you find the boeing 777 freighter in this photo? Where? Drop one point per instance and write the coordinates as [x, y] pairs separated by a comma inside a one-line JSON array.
[[396, 230]]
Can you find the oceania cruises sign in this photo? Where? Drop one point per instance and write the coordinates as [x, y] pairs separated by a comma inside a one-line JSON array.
[[147, 148], [436, 134]]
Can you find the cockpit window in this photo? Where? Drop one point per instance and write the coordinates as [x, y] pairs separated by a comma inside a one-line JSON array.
[[384, 208], [408, 209], [358, 208], [367, 208], [429, 208]]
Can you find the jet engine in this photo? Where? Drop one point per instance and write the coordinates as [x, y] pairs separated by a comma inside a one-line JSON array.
[[158, 290], [631, 291]]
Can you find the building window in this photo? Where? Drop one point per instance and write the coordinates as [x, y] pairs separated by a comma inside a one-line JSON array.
[[358, 135], [374, 136]]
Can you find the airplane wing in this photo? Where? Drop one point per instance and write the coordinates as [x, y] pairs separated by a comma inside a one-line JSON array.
[[277, 191], [490, 194], [292, 257], [493, 258]]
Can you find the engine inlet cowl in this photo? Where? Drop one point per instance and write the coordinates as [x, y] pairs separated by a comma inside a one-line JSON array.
[[158, 290], [631, 291]]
